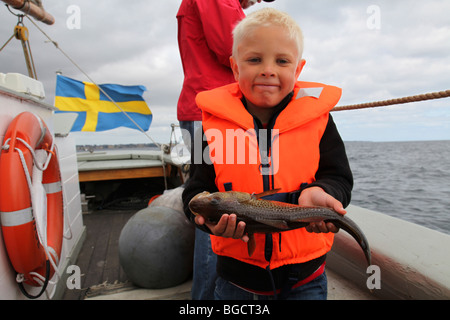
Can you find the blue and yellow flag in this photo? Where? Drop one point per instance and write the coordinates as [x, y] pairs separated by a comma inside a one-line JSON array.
[[95, 111]]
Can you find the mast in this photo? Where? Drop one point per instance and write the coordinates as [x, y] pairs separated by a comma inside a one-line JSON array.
[[31, 9]]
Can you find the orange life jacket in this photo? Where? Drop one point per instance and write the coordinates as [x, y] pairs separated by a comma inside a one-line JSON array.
[[293, 159]]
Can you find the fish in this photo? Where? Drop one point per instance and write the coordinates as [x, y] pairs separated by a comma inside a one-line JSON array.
[[266, 216]]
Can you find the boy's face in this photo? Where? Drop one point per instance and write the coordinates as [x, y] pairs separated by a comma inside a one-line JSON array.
[[266, 66]]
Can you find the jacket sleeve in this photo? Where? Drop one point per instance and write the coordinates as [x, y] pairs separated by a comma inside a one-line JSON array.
[[219, 19], [201, 178], [334, 174]]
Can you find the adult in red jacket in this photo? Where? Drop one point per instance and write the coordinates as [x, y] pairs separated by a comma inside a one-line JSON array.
[[205, 41]]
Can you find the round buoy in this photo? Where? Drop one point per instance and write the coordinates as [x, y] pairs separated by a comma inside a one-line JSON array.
[[156, 248]]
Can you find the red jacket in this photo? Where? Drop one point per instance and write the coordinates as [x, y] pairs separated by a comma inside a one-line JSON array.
[[205, 42]]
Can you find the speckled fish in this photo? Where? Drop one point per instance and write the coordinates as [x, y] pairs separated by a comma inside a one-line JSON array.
[[265, 216]]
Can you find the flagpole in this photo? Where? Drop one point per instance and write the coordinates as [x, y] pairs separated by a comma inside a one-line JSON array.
[[35, 11]]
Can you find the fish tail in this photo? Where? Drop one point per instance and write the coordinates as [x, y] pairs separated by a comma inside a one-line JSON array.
[[352, 228]]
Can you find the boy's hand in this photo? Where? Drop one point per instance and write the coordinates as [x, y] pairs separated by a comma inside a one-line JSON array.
[[316, 196], [226, 227]]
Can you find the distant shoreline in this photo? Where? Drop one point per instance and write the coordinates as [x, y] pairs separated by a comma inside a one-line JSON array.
[[97, 147], [88, 147]]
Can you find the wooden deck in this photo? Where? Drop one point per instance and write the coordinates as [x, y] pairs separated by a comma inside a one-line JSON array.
[[103, 278], [99, 256]]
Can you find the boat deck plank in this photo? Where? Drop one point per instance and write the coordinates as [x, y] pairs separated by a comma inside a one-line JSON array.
[[99, 256], [113, 270], [113, 174]]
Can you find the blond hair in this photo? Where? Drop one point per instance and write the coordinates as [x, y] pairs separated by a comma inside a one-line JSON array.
[[267, 17]]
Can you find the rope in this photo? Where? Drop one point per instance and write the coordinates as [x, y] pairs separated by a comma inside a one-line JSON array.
[[28, 177], [7, 42], [33, 67], [420, 97], [52, 257]]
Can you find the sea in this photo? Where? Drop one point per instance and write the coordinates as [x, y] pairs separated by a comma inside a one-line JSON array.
[[407, 180]]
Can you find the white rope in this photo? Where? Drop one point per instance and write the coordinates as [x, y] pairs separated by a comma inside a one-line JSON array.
[[29, 182], [20, 278]]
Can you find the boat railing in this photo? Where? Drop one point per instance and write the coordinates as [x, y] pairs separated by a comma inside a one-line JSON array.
[[409, 261]]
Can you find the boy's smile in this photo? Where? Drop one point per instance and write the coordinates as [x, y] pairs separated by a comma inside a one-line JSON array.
[[266, 67]]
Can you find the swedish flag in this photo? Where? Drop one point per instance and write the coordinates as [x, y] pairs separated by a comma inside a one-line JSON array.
[[95, 111]]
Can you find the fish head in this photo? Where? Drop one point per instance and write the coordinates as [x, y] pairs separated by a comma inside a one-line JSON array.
[[205, 205], [211, 206]]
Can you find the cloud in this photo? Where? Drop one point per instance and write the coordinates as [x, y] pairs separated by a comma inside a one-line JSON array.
[[135, 42]]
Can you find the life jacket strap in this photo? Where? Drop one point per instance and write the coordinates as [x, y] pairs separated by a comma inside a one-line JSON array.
[[291, 284]]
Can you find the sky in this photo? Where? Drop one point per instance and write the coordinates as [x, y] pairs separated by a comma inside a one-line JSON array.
[[373, 50]]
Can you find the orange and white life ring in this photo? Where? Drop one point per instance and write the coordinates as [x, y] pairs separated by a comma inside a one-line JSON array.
[[26, 134]]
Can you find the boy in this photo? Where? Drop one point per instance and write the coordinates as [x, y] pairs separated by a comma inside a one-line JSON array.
[[300, 152]]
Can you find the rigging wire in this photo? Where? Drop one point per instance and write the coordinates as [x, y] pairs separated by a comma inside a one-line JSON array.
[[21, 33], [7, 41], [91, 80], [106, 94]]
